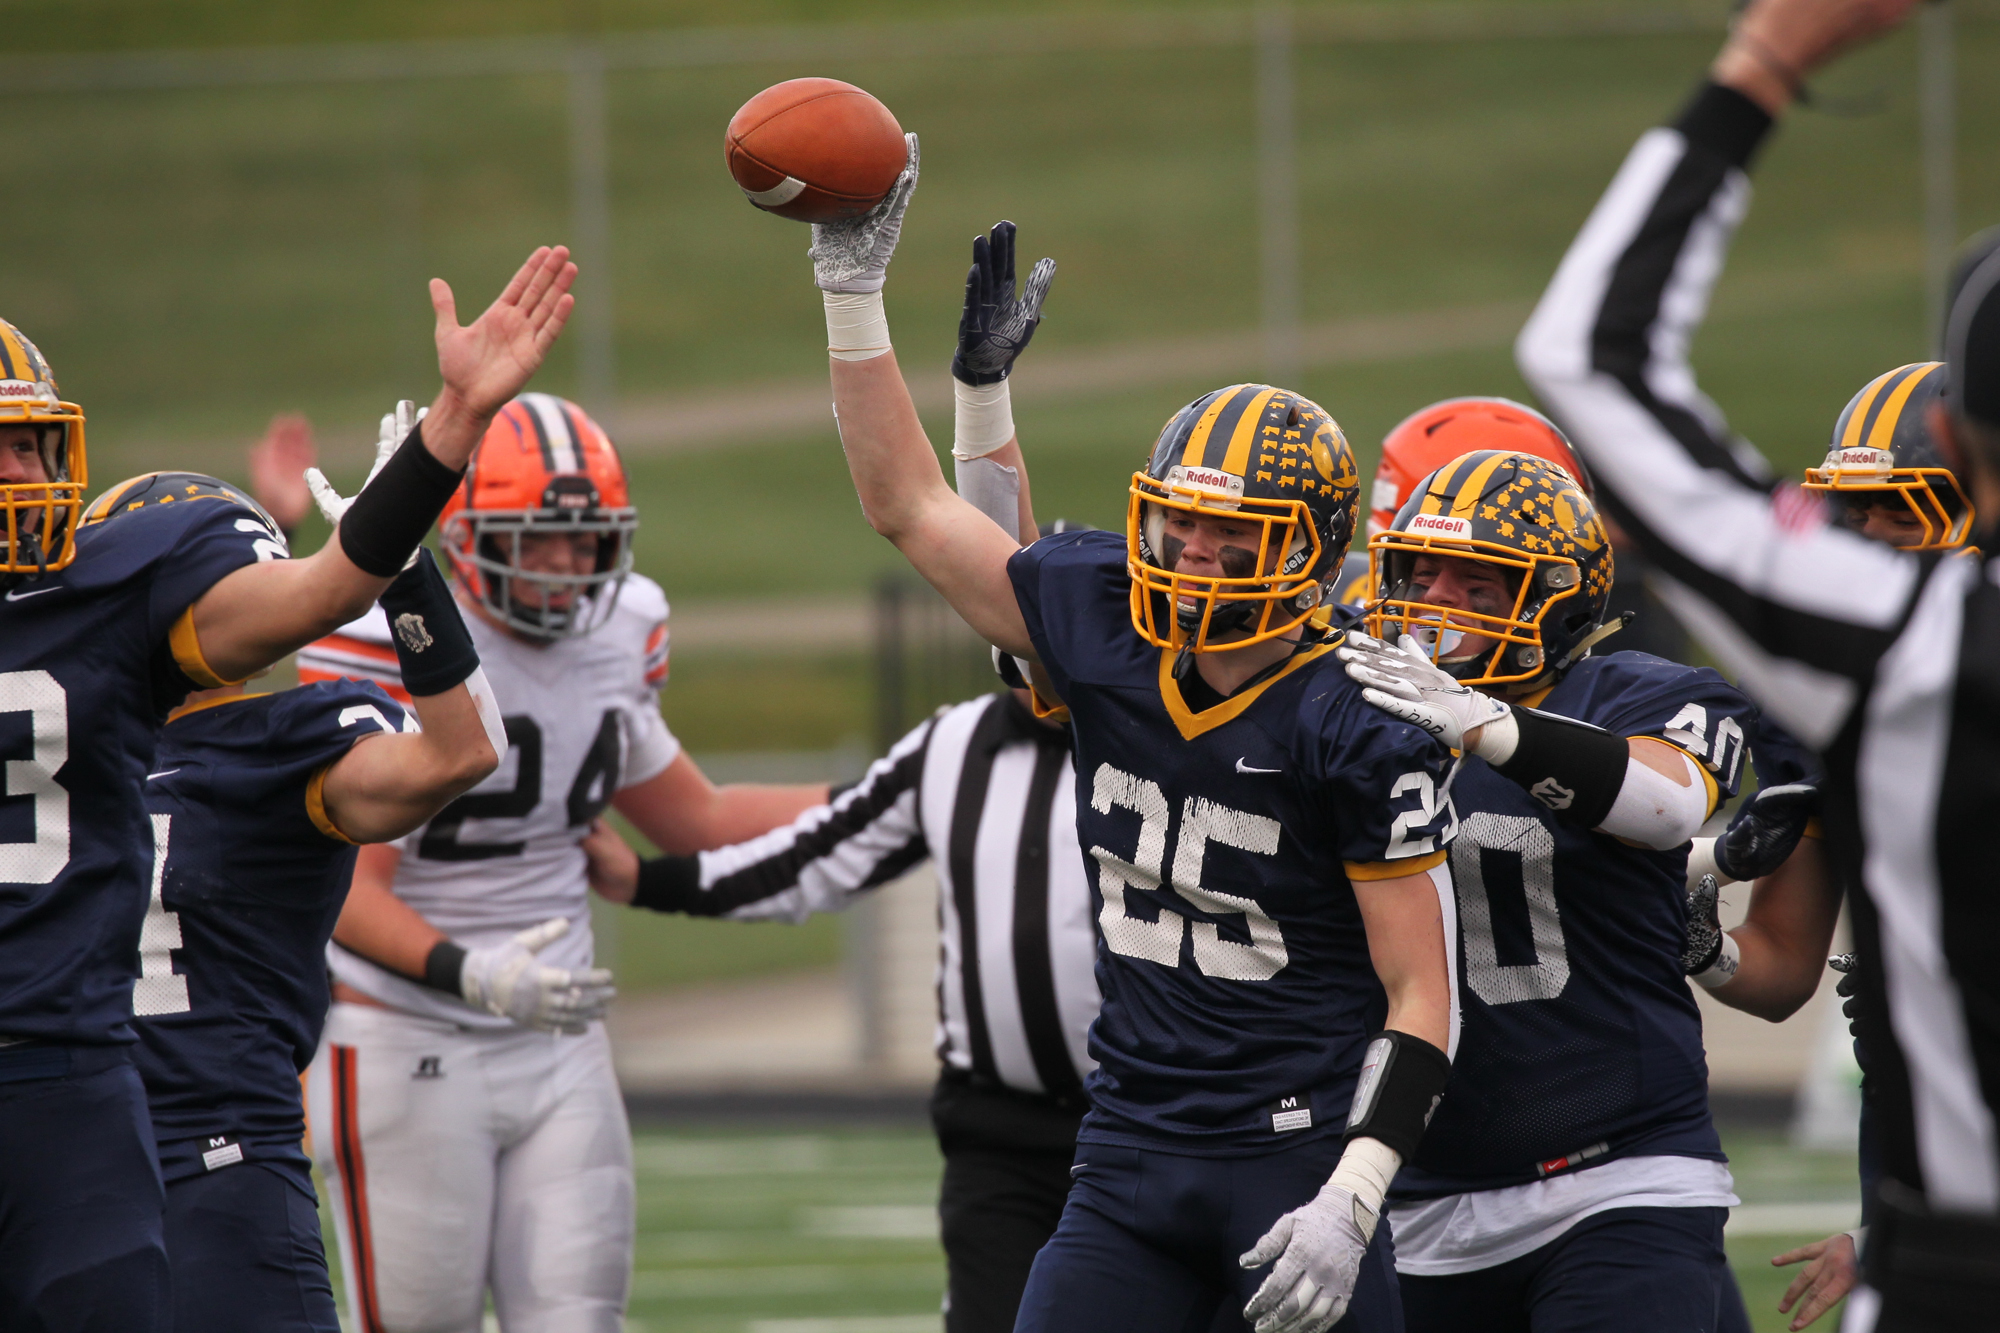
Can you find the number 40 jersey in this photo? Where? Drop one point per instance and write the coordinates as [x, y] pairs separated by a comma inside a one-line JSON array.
[[583, 721]]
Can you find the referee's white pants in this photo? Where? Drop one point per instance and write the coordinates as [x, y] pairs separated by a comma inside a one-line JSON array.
[[466, 1158]]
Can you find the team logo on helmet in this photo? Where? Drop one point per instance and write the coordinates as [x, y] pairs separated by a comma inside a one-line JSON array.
[[540, 533], [1274, 471], [38, 515], [1882, 454], [1546, 569]]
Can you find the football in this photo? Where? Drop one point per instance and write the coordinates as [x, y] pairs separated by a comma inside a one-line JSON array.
[[814, 150]]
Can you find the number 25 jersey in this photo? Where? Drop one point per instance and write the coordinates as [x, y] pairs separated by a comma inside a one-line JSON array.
[[583, 721], [1238, 991]]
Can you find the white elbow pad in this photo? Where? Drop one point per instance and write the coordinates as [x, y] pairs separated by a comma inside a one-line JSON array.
[[1654, 811], [488, 705]]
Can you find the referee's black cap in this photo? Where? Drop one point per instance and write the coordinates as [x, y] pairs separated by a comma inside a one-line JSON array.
[[1972, 331]]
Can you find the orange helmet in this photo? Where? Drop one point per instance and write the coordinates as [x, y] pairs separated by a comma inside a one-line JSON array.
[[544, 469], [1431, 437]]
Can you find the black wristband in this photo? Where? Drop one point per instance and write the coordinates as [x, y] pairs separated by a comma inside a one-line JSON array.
[[1402, 1081], [1726, 123], [1573, 768], [670, 884], [391, 516], [444, 968], [433, 647]]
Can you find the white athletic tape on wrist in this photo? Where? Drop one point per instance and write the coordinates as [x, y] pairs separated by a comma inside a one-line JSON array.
[[993, 490], [1365, 1170], [982, 418], [1701, 861], [488, 704], [857, 328], [1723, 970], [1498, 739]]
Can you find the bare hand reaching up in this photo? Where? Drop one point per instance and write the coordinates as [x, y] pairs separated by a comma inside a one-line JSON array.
[[278, 464], [1777, 44], [485, 363]]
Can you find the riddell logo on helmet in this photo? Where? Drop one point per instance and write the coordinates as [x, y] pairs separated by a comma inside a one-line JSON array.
[[1862, 460], [1227, 487], [1441, 525], [21, 389]]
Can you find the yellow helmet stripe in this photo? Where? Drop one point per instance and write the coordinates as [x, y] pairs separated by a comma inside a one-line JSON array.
[[1851, 437], [1473, 487], [1237, 460], [1438, 491], [101, 508], [14, 363], [1197, 444], [1885, 421]]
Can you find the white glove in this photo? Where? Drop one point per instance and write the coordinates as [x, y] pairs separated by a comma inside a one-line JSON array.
[[1405, 684], [505, 979], [853, 255], [1318, 1249], [396, 427]]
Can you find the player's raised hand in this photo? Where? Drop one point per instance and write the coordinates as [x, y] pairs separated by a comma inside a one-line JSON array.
[[485, 363], [1404, 683], [278, 464], [1830, 1273], [1318, 1249], [995, 325], [1766, 830], [612, 865], [853, 255], [508, 980], [395, 427]]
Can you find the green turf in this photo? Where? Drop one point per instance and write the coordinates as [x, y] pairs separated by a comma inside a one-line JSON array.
[[741, 1227]]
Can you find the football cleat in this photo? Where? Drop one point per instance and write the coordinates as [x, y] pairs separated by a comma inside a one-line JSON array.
[[1883, 454], [1529, 519], [38, 513], [544, 470], [1269, 460]]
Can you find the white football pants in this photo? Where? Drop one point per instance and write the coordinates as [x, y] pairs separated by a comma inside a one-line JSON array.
[[466, 1158]]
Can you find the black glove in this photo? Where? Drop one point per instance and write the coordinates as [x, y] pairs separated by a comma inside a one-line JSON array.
[[1704, 940], [995, 328], [1766, 830], [1848, 988]]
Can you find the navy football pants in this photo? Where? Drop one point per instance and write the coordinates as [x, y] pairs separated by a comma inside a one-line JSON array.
[[1148, 1243], [1658, 1269], [246, 1252], [80, 1246]]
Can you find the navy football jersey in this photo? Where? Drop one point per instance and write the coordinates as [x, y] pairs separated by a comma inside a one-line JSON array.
[[233, 988], [91, 659], [1780, 757], [1238, 992], [1580, 1040]]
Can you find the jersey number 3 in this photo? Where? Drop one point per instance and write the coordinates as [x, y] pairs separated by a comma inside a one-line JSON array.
[[1202, 822], [41, 856]]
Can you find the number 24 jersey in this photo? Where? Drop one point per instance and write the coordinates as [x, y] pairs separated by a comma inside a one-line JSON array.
[[1238, 991], [583, 721]]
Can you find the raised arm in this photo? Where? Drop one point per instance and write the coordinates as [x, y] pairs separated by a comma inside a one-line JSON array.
[[903, 491], [1798, 611], [261, 612]]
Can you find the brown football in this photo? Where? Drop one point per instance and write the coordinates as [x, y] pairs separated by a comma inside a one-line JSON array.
[[814, 150]]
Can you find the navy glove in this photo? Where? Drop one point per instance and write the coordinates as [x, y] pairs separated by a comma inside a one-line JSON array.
[[996, 327], [1766, 830]]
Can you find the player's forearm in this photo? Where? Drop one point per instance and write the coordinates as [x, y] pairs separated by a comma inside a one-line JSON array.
[[384, 929], [895, 472], [1404, 919], [1784, 938], [390, 786], [258, 614]]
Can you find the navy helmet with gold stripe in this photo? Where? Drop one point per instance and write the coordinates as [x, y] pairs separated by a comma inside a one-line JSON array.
[[157, 488], [1883, 458], [38, 505], [1275, 475], [1529, 521]]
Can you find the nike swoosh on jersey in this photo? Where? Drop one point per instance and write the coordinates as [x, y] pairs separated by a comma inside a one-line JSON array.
[[163, 773], [1242, 767], [19, 596]]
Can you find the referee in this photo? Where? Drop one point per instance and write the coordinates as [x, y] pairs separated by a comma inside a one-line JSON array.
[[988, 792], [1887, 662]]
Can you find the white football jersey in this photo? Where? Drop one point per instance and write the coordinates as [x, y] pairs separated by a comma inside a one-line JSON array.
[[583, 722]]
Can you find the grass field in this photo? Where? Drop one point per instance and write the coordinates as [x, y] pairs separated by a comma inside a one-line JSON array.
[[835, 1232]]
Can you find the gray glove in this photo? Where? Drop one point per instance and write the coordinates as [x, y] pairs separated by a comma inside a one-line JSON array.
[[853, 255], [1404, 683], [508, 980], [1318, 1248]]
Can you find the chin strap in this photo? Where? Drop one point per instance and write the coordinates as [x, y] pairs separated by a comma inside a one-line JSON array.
[[1596, 636]]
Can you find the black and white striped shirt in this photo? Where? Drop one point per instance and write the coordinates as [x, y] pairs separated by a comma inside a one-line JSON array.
[[1888, 662], [990, 795]]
